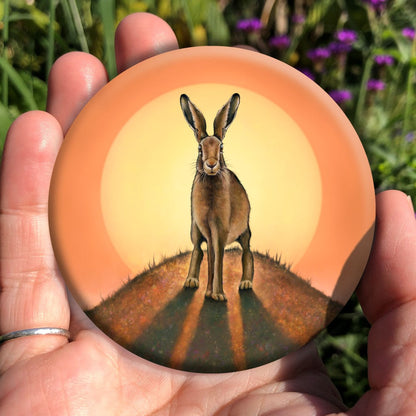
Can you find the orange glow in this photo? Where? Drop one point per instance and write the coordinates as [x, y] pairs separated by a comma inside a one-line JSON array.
[[116, 202], [148, 174]]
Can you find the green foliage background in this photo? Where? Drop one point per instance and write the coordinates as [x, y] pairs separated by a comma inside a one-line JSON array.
[[35, 32]]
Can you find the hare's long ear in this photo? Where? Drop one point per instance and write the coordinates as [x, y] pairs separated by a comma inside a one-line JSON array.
[[225, 116], [194, 117]]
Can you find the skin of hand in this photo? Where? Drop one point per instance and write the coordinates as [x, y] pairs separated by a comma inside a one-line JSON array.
[[92, 375]]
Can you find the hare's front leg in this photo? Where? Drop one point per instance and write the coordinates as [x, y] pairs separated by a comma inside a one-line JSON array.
[[217, 283], [192, 279], [211, 257], [246, 260]]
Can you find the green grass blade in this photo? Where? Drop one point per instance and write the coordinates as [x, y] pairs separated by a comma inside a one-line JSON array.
[[408, 113], [69, 23], [5, 122], [216, 25], [188, 16], [106, 10], [51, 36], [358, 119], [348, 350], [5, 79], [76, 18], [18, 83]]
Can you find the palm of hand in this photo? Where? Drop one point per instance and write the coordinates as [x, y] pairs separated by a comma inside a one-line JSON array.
[[91, 374]]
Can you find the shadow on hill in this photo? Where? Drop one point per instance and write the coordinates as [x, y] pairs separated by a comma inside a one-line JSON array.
[[211, 347], [263, 340], [156, 318], [157, 342]]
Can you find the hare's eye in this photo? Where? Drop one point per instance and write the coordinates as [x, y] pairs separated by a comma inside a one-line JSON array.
[[200, 149], [221, 147]]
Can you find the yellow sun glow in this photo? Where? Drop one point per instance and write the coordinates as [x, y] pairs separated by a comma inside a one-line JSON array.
[[148, 174]]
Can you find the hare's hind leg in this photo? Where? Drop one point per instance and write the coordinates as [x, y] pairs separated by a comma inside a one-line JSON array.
[[192, 279], [246, 260]]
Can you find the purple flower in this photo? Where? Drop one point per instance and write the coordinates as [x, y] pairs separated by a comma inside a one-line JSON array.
[[377, 5], [280, 42], [408, 33], [319, 54], [410, 137], [346, 36], [298, 18], [375, 85], [308, 73], [339, 48], [249, 25], [382, 60], [341, 96]]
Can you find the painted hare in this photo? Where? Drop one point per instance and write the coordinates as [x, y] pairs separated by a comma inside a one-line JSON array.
[[220, 206]]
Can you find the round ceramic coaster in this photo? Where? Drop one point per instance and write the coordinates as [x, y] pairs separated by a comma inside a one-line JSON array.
[[212, 209]]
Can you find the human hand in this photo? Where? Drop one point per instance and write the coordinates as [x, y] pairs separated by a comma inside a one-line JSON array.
[[90, 374]]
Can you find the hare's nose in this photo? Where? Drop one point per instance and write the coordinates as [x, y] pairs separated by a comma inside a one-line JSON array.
[[211, 163]]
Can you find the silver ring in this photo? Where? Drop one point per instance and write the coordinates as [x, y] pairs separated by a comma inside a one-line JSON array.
[[34, 331]]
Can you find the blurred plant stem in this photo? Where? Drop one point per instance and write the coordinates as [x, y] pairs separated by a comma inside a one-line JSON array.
[[337, 343], [76, 18], [107, 13], [268, 7], [5, 78], [19, 83], [359, 119], [51, 36], [408, 113], [376, 30]]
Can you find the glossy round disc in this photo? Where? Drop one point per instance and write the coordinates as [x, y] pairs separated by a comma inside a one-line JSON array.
[[212, 209]]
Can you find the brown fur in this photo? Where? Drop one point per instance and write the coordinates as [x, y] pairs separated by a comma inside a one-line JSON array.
[[219, 204]]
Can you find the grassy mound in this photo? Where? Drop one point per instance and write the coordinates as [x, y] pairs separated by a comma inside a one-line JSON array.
[[153, 316]]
